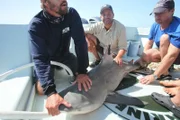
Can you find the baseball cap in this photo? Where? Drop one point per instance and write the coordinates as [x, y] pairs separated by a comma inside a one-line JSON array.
[[163, 5], [106, 7]]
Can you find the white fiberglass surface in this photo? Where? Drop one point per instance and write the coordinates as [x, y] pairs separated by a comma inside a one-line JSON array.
[[62, 81]]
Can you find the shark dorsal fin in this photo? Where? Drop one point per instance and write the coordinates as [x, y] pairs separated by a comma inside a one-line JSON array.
[[107, 54]]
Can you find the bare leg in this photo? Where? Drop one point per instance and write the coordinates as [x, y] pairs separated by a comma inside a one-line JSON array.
[[164, 45], [152, 55], [175, 83], [92, 43], [38, 87], [95, 53]]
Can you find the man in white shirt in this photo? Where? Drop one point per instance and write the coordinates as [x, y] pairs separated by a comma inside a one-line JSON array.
[[107, 32]]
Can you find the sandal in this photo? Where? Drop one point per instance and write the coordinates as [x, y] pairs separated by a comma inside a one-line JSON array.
[[166, 102], [165, 77]]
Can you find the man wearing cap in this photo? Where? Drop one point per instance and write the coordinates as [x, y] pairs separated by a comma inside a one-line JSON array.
[[50, 32], [166, 35], [108, 32]]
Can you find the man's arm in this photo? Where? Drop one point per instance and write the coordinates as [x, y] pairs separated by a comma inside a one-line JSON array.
[[168, 60], [121, 53], [122, 45], [148, 45], [77, 33], [78, 36], [150, 42], [122, 42], [41, 58], [37, 35]]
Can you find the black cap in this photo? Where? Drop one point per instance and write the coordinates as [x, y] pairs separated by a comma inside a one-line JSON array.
[[163, 5], [106, 7]]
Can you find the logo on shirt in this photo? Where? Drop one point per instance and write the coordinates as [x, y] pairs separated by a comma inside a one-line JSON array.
[[65, 30]]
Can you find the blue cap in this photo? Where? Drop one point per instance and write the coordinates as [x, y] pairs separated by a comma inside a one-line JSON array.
[[106, 7], [163, 5]]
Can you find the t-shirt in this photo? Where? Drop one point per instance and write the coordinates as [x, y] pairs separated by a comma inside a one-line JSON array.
[[115, 36], [173, 31]]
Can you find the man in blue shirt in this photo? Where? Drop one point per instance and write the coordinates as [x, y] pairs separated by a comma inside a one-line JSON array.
[[166, 35], [50, 32]]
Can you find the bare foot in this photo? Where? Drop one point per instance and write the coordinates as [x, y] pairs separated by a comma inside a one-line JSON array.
[[176, 98], [172, 83]]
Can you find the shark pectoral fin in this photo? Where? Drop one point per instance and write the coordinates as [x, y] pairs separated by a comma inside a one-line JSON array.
[[121, 99], [68, 89]]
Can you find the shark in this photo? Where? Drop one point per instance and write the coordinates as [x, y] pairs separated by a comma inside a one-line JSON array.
[[105, 77]]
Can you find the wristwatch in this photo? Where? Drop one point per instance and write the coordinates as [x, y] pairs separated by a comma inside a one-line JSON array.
[[155, 77]]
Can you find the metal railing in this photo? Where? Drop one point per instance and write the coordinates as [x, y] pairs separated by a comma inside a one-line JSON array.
[[27, 114]]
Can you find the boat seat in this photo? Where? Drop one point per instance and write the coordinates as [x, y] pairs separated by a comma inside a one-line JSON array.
[[14, 93]]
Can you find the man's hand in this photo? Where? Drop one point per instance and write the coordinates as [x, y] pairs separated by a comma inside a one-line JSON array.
[[118, 57], [53, 103], [147, 79], [83, 80], [118, 60]]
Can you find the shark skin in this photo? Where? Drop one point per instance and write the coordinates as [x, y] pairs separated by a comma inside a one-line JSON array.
[[105, 77]]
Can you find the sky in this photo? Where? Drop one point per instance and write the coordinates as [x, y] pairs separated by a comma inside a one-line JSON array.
[[132, 13]]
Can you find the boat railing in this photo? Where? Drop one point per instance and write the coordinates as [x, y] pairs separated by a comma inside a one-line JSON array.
[[28, 114]]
